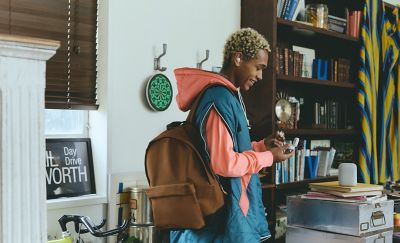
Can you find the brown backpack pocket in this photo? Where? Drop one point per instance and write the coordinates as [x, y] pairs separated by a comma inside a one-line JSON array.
[[175, 206]]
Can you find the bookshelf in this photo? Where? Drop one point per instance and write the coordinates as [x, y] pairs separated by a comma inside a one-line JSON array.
[[260, 100], [320, 132], [311, 81], [297, 26]]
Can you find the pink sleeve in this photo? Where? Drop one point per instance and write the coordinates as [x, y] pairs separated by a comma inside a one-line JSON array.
[[224, 160]]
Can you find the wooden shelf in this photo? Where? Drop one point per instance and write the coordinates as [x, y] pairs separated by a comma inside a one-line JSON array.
[[267, 186], [301, 26], [324, 132], [389, 5], [312, 81], [304, 183]]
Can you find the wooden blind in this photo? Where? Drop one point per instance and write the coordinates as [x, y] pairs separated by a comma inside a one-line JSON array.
[[71, 74]]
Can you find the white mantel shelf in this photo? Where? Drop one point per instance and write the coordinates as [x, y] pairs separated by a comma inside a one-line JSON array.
[[24, 47], [23, 213]]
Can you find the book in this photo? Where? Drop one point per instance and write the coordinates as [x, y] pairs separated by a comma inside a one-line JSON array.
[[320, 143], [323, 156], [332, 152], [349, 194], [292, 10], [302, 164], [356, 199], [299, 11], [334, 186], [279, 7], [311, 165]]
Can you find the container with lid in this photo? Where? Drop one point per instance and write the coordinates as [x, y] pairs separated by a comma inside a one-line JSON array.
[[317, 14], [140, 206]]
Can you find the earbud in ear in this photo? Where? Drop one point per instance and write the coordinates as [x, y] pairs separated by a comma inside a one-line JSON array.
[[238, 59]]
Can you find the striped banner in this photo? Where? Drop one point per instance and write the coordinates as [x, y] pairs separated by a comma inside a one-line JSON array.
[[378, 96]]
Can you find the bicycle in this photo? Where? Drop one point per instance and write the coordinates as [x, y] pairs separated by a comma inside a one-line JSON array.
[[89, 227]]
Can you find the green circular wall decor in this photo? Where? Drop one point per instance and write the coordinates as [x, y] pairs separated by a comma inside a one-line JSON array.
[[159, 92]]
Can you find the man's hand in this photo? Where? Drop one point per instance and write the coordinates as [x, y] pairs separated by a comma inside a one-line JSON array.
[[274, 140], [278, 152]]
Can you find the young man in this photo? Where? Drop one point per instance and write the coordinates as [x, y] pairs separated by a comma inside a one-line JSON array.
[[222, 122]]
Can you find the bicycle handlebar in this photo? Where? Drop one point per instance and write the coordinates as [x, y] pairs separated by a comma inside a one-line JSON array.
[[84, 231], [90, 226]]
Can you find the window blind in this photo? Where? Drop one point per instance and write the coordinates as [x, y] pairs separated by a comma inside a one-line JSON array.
[[70, 74]]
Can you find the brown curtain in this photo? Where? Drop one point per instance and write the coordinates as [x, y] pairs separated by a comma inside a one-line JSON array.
[[71, 73]]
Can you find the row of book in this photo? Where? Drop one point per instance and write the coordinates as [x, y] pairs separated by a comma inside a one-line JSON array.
[[289, 9], [335, 69], [306, 164], [331, 114], [326, 114], [289, 62], [339, 70]]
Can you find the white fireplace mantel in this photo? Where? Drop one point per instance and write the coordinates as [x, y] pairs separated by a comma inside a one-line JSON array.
[[23, 214]]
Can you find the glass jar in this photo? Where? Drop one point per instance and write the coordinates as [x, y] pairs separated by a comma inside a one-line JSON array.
[[317, 15]]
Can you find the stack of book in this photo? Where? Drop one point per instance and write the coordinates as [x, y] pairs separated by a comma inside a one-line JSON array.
[[336, 24], [361, 193]]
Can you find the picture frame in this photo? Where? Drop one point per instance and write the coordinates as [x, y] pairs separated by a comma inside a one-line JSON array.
[[69, 167]]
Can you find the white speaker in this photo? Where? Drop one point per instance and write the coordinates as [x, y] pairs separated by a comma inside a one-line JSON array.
[[347, 174]]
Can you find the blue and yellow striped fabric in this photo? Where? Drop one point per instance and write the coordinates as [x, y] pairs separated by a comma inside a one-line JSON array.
[[378, 96]]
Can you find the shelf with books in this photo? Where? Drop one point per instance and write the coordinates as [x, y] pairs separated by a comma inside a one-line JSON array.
[[312, 81], [304, 183], [319, 107], [267, 185], [321, 132], [309, 28]]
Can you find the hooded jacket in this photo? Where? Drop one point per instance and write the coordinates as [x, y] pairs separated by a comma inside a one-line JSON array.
[[242, 219]]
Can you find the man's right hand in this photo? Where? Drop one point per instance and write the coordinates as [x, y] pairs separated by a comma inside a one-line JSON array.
[[279, 153], [274, 140]]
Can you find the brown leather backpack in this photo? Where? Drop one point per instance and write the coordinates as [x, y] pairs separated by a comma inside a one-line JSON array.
[[183, 188]]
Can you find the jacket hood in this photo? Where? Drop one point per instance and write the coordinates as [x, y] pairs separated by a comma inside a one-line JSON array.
[[190, 83]]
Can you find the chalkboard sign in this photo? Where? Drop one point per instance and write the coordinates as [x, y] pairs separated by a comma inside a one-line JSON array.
[[69, 168]]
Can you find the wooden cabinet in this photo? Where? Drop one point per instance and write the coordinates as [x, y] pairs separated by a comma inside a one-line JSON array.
[[260, 100]]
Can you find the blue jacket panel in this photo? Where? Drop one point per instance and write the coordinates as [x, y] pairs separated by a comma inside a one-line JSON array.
[[229, 224]]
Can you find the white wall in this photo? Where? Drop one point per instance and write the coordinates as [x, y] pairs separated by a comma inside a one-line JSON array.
[[136, 32]]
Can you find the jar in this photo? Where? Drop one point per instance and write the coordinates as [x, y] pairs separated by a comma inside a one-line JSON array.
[[317, 15], [396, 219], [140, 205]]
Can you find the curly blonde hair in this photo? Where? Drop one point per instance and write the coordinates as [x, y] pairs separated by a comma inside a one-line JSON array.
[[247, 41]]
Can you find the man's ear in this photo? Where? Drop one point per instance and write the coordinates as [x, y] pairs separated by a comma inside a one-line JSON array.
[[237, 59]]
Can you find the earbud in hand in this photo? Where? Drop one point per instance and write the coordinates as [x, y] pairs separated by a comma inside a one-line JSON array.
[[292, 146]]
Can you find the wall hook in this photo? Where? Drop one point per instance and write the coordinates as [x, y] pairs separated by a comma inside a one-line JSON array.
[[157, 65], [201, 63]]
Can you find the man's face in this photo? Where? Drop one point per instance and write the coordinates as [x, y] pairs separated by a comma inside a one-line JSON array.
[[249, 72]]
